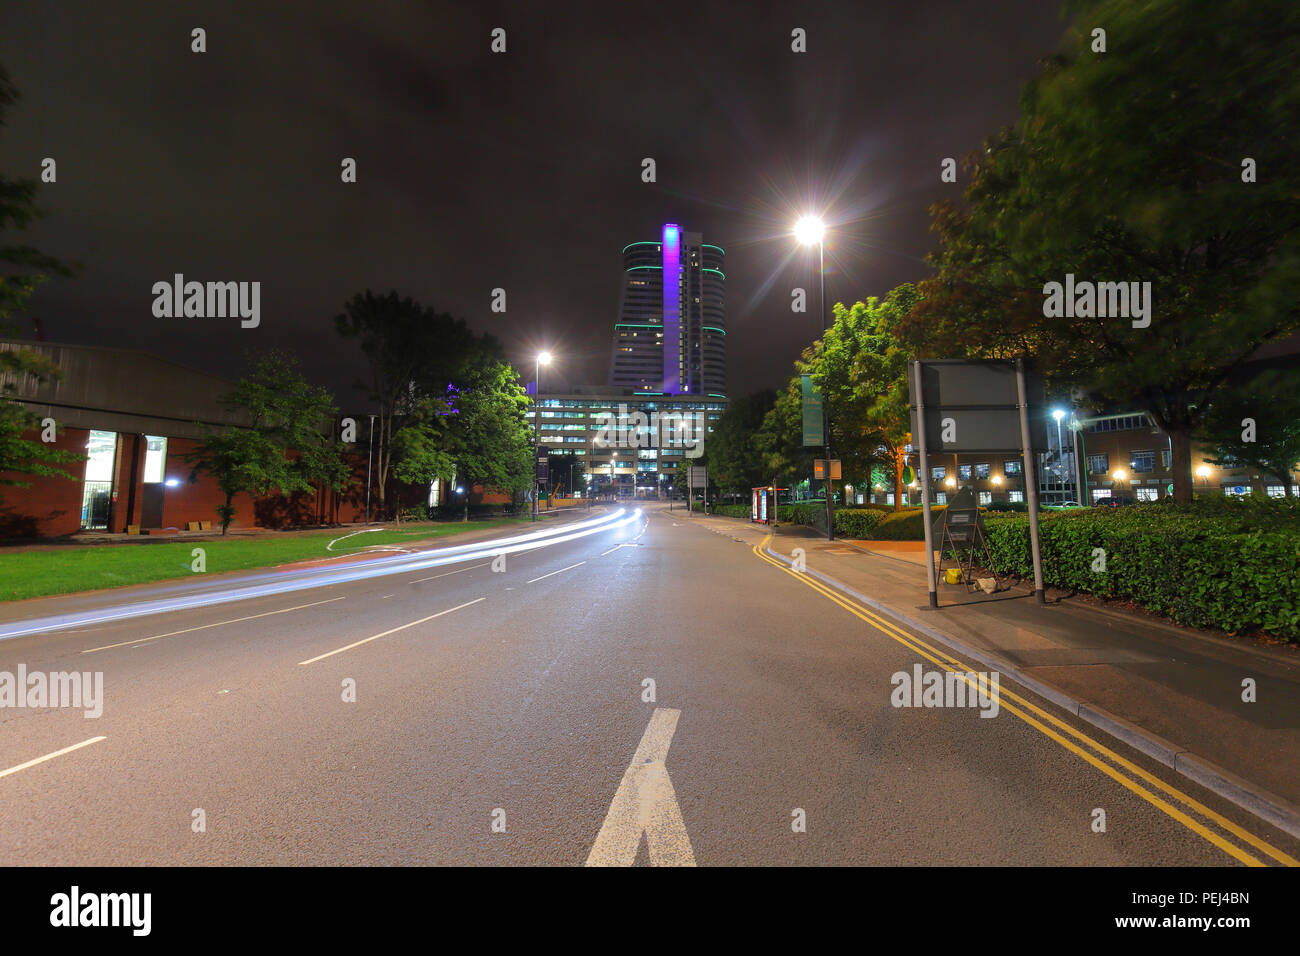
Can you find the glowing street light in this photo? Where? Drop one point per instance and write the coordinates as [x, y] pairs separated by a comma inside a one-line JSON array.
[[543, 358], [809, 230]]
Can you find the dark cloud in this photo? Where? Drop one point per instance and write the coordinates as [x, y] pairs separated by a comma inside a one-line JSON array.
[[479, 171]]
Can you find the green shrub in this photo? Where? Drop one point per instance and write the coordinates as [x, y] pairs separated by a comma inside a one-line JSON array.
[[1008, 506], [857, 522], [1207, 569], [906, 525]]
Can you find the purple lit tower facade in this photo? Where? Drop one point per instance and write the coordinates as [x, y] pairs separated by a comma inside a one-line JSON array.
[[670, 338]]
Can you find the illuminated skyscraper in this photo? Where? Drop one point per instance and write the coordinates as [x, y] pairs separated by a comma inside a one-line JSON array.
[[670, 338]]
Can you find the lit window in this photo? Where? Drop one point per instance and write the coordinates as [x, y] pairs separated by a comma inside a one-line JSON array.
[[155, 459]]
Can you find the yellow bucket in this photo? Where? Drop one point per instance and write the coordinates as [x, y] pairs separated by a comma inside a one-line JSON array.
[[952, 575]]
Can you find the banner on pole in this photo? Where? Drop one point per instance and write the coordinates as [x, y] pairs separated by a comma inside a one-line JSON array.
[[812, 413]]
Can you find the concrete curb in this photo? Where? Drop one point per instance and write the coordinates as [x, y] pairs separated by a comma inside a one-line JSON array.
[[1262, 803]]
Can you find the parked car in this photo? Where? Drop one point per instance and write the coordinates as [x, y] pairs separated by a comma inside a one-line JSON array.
[[1115, 501]]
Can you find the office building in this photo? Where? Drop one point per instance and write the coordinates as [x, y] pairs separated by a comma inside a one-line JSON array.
[[670, 337]]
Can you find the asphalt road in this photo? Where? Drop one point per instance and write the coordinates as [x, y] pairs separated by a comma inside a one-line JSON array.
[[497, 715]]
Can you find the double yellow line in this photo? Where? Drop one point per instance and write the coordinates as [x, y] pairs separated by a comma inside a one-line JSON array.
[[1059, 730]]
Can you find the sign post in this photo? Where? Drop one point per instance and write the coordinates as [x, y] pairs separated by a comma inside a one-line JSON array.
[[918, 398], [1031, 482], [696, 475], [543, 475], [972, 406]]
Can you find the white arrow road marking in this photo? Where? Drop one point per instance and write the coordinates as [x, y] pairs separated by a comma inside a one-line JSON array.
[[646, 803]]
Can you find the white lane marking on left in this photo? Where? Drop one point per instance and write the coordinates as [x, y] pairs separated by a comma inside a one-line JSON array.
[[569, 568], [391, 630]]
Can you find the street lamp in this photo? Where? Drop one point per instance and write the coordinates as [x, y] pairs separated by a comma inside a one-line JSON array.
[[1203, 472], [1058, 414], [543, 358], [808, 230]]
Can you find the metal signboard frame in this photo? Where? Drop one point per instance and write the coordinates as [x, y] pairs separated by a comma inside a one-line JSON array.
[[979, 386]]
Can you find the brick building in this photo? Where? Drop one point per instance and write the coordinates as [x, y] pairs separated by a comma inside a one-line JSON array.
[[136, 417]]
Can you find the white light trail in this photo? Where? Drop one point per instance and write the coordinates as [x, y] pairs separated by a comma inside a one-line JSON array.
[[284, 582]]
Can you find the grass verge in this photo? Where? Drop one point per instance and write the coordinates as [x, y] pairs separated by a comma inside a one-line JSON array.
[[67, 570]]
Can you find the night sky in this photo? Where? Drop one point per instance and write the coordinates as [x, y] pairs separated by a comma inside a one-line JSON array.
[[477, 170]]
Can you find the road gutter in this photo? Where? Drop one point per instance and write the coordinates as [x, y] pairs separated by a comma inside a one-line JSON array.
[[1262, 803]]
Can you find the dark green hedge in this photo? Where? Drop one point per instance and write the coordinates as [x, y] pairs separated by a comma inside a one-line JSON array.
[[906, 525], [849, 522], [1201, 569]]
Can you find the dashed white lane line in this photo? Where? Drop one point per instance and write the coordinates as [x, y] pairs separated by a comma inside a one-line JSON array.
[[392, 630], [447, 573], [569, 568], [57, 753], [646, 803], [202, 627]]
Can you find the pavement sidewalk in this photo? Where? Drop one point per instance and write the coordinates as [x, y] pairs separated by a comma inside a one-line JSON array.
[[1172, 692]]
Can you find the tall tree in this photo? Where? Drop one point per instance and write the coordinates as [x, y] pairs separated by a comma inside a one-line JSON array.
[[567, 471], [281, 412], [736, 462], [414, 354], [780, 439], [22, 269], [489, 437], [1257, 423], [420, 448], [870, 381], [1167, 159]]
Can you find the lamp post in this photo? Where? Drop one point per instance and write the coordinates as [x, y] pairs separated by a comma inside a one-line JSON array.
[[543, 358], [808, 230], [1058, 414], [369, 453], [1080, 449], [1203, 472], [1119, 474]]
